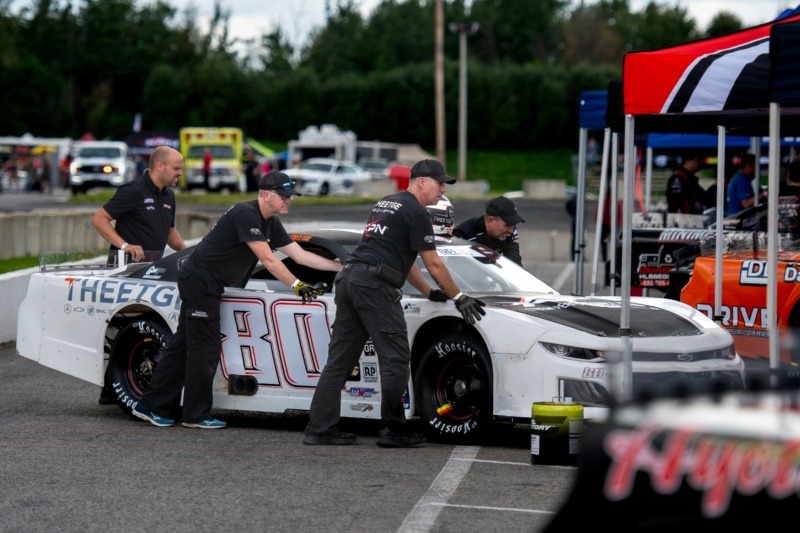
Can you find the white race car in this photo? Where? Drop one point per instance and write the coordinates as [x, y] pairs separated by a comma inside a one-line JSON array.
[[533, 345]]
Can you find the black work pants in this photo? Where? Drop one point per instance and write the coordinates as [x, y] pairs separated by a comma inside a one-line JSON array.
[[365, 307], [190, 361]]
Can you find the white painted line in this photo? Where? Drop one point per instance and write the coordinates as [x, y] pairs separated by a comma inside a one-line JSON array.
[[487, 508], [423, 515], [516, 464]]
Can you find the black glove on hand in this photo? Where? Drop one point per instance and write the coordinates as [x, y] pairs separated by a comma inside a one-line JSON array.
[[307, 292], [470, 308], [437, 295]]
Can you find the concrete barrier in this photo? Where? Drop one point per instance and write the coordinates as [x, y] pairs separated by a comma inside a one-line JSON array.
[[545, 189], [38, 233]]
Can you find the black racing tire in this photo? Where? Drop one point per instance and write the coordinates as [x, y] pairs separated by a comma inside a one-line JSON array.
[[135, 352], [453, 389]]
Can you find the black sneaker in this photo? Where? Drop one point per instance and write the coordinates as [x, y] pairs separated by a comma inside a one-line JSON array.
[[106, 397], [400, 439], [333, 438]]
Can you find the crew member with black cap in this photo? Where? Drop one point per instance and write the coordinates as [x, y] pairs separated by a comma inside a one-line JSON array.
[[368, 293], [496, 229], [246, 233]]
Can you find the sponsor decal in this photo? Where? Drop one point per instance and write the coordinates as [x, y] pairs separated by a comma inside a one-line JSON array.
[[154, 273], [444, 409], [654, 269], [370, 372], [680, 235], [411, 309], [374, 227], [444, 349], [753, 272], [369, 348], [67, 309], [361, 407], [738, 315], [387, 206], [355, 375], [362, 392], [453, 429], [714, 465], [300, 238], [115, 291]]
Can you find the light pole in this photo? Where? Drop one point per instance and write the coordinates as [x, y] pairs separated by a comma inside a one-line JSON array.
[[463, 29]]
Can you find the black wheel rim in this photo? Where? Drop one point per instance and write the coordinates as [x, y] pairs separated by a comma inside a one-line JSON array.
[[141, 363], [458, 392]]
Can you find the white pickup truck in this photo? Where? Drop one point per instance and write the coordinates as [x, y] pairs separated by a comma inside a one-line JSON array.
[[100, 164]]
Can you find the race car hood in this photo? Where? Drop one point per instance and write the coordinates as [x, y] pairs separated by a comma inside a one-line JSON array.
[[597, 316]]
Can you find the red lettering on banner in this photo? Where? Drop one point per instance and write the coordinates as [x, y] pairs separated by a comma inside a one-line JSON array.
[[717, 466]]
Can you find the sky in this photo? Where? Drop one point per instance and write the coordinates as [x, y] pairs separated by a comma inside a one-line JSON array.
[[297, 18]]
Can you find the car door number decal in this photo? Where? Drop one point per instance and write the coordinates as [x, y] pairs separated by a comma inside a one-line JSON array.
[[287, 343]]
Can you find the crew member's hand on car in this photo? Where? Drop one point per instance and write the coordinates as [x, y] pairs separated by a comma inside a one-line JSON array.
[[308, 292], [437, 295], [470, 308]]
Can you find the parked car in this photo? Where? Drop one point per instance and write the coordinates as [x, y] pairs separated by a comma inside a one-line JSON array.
[[321, 176], [378, 168], [100, 164], [533, 344]]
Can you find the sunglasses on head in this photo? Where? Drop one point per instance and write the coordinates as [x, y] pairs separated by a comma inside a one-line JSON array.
[[288, 186]]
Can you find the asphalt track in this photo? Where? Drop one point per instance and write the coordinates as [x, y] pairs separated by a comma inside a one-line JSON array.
[[69, 464]]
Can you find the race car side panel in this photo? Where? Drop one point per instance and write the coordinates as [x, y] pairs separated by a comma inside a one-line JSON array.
[[744, 296]]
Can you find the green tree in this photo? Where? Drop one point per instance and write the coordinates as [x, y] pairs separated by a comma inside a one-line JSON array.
[[722, 23]]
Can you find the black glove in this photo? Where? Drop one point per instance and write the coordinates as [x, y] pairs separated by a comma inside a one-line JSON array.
[[307, 292], [470, 308], [437, 295]]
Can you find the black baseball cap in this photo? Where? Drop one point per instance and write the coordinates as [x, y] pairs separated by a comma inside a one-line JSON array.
[[279, 183], [431, 168], [504, 208]]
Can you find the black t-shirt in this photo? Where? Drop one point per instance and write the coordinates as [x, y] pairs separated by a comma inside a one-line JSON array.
[[474, 229], [223, 256], [398, 228], [143, 214]]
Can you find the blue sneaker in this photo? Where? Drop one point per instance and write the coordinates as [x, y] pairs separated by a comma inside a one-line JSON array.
[[140, 411], [211, 423]]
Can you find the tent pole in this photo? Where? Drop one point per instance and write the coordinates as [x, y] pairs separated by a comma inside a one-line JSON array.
[[720, 217], [755, 149], [625, 303], [577, 219], [614, 204], [648, 192], [601, 209], [772, 239]]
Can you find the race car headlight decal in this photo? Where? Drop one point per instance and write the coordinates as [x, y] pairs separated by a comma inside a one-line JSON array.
[[572, 352]]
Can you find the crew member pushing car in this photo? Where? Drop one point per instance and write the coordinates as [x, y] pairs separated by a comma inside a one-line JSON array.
[[226, 257], [368, 293]]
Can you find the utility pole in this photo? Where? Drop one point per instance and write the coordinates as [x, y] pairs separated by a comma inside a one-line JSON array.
[[441, 147], [463, 29]]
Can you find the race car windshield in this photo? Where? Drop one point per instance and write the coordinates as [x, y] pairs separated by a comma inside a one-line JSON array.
[[478, 269]]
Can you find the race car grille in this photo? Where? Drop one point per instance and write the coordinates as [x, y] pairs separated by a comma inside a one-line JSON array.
[[680, 357], [680, 384], [92, 169]]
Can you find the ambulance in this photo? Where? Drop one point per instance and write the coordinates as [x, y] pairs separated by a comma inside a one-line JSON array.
[[225, 147]]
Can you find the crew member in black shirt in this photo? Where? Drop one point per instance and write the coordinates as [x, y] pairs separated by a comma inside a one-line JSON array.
[[368, 293], [144, 210], [497, 229], [245, 234]]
